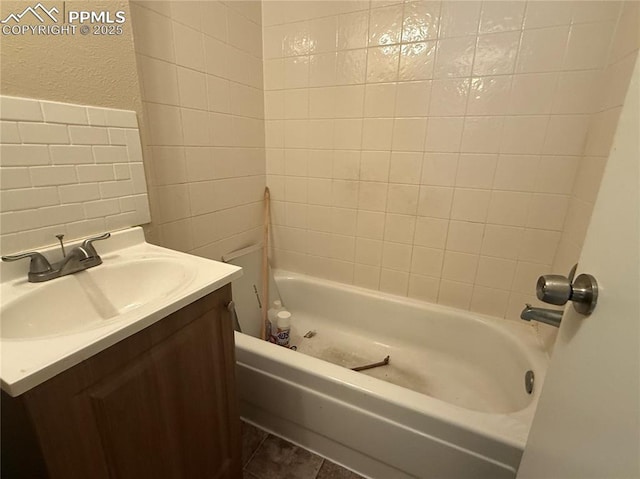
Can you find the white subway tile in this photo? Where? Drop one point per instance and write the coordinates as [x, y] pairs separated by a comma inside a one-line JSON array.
[[17, 221], [9, 132], [20, 109], [79, 193], [116, 189], [91, 173], [88, 135], [11, 178], [60, 215], [121, 171], [101, 208], [64, 113], [29, 198], [24, 155], [110, 154], [70, 155], [97, 116], [52, 175], [134, 148], [41, 133], [117, 136], [120, 221]]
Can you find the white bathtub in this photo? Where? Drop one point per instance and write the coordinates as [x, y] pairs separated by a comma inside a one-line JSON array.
[[466, 414]]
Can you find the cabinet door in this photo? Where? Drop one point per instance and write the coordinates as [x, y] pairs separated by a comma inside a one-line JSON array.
[[168, 411]]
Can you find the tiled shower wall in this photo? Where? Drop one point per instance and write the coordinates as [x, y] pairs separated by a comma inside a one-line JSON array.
[[200, 67], [429, 149], [623, 55]]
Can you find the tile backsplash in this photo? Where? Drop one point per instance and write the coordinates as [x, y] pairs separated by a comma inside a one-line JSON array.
[[427, 148], [67, 169]]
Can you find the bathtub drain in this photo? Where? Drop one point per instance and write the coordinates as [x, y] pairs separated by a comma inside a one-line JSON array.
[[529, 378]]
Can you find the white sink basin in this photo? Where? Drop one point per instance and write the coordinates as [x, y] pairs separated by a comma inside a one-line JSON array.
[[45, 328], [91, 298]]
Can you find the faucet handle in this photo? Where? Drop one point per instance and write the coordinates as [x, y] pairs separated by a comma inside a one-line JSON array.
[[39, 263], [87, 244]]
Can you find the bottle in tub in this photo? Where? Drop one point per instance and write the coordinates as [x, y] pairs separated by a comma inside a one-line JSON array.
[[284, 328]]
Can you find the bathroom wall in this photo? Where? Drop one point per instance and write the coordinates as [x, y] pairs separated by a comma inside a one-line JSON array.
[[603, 123], [67, 169], [80, 69], [429, 149], [200, 67], [616, 77]]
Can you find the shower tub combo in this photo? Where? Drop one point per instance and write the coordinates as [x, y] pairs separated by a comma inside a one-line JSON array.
[[451, 403]]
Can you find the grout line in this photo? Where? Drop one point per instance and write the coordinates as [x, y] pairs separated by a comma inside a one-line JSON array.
[[253, 454]]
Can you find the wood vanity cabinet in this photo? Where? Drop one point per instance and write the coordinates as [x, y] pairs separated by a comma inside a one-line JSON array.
[[159, 404]]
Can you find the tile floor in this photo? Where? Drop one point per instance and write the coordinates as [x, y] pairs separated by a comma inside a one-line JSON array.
[[265, 456]]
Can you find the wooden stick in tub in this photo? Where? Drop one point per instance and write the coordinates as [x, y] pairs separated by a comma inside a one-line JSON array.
[[265, 263]]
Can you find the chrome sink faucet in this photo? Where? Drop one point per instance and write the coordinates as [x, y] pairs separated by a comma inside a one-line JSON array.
[[79, 258]]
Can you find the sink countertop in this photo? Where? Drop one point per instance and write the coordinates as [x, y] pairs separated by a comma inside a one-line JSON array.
[[29, 361]]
